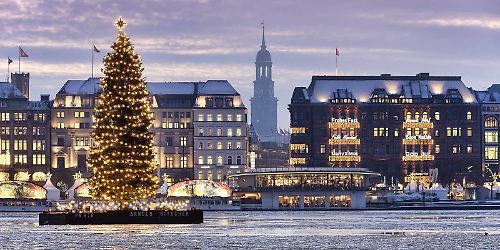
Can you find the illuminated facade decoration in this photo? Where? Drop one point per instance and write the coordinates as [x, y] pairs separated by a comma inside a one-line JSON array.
[[199, 188], [21, 190], [24, 132], [394, 125]]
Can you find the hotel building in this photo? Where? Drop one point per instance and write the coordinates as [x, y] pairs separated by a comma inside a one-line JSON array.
[[24, 134], [180, 109], [403, 127]]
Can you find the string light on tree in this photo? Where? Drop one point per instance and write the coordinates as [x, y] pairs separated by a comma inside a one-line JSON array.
[[122, 158]]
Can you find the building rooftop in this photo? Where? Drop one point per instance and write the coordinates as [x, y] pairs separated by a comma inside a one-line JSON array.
[[491, 95], [363, 88], [7, 90]]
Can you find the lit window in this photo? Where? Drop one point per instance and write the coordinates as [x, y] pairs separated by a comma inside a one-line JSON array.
[[238, 132], [184, 161], [183, 141], [491, 122], [469, 149], [219, 132], [408, 116], [219, 145], [322, 149], [229, 145], [200, 117], [491, 136], [200, 175], [169, 162], [396, 132], [219, 117], [456, 149], [437, 117], [219, 175], [469, 131], [79, 114], [491, 153], [209, 175], [469, 115], [229, 132], [60, 114], [437, 149], [200, 159], [5, 117], [219, 161], [209, 160], [209, 118], [229, 118], [239, 118], [238, 145]]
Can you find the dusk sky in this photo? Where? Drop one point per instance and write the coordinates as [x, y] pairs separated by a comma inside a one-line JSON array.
[[197, 40]]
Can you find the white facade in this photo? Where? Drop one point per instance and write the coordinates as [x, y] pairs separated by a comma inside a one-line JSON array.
[[220, 136]]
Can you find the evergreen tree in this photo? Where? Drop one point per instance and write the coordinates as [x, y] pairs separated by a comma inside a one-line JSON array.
[[122, 158]]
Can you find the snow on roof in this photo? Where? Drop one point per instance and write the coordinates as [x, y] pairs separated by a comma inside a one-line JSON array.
[[491, 95], [80, 87], [216, 87], [172, 88], [7, 90], [362, 87]]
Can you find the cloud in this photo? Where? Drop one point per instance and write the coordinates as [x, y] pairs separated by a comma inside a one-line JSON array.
[[486, 23]]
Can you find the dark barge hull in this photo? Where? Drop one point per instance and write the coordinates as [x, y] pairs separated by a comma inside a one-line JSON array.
[[122, 217]]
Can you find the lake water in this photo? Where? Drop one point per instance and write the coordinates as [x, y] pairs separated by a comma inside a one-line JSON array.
[[269, 230]]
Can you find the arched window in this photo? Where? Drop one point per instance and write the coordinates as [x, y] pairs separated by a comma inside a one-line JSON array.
[[209, 175], [425, 115], [408, 115], [491, 122], [229, 160], [219, 160], [238, 160], [469, 115], [417, 116], [200, 175], [219, 175], [200, 159], [209, 160], [437, 117]]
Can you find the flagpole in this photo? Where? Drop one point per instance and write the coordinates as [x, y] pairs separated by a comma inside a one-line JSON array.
[[92, 61], [336, 63], [8, 69], [19, 56]]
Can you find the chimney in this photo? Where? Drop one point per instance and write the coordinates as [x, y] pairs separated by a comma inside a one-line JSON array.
[[44, 97]]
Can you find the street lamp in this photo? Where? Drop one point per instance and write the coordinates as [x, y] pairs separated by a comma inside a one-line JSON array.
[[494, 177]]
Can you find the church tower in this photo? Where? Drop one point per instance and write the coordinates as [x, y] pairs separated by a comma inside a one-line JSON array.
[[264, 104]]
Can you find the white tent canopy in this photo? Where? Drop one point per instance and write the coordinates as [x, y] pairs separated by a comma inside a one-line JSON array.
[[53, 193]]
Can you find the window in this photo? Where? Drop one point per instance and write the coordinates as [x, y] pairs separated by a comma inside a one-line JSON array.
[[169, 162], [183, 141], [200, 145], [437, 149], [238, 160], [322, 148], [184, 161], [20, 159], [239, 118], [380, 132], [229, 160], [20, 117], [491, 136], [209, 145], [469, 115], [82, 141], [238, 145], [40, 117], [469, 149], [61, 163], [200, 175], [219, 132], [209, 175], [38, 144], [5, 117], [469, 132], [4, 145], [209, 160], [229, 132], [38, 130], [229, 118], [60, 114], [5, 130], [209, 132], [79, 114], [436, 132], [229, 145], [455, 149], [60, 125], [200, 131], [169, 141], [238, 132], [38, 159], [209, 118], [200, 117], [491, 153], [437, 117], [20, 130], [219, 117], [396, 132], [219, 161], [219, 145], [60, 141], [20, 145], [408, 116], [491, 122], [219, 175]]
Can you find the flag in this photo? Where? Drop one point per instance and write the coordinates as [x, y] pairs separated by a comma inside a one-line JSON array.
[[9, 60], [22, 53], [95, 49], [337, 52]]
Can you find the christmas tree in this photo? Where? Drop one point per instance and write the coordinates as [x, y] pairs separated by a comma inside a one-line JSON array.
[[122, 158]]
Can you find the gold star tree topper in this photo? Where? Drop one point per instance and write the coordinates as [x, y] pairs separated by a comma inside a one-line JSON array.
[[120, 23]]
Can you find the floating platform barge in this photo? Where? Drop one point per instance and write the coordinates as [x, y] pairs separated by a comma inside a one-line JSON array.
[[121, 217]]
